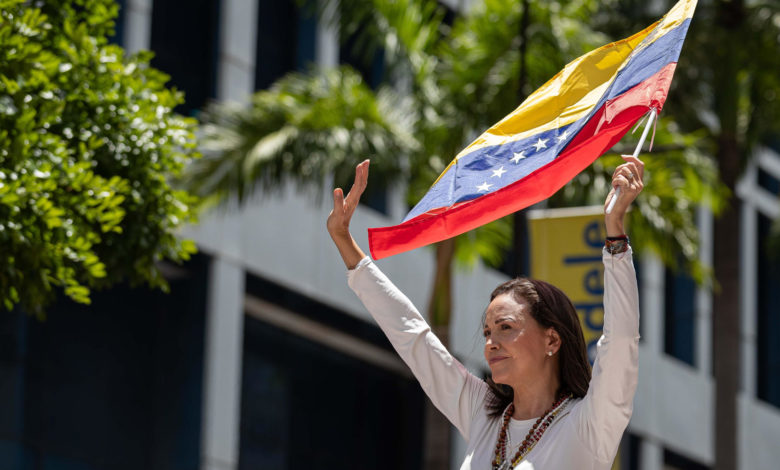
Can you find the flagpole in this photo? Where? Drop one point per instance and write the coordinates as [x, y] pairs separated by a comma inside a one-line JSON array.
[[650, 121]]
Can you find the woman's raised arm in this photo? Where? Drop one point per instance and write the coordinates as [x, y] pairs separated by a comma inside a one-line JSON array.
[[607, 407], [448, 384], [340, 216]]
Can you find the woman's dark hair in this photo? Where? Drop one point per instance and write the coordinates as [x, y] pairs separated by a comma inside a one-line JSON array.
[[551, 308]]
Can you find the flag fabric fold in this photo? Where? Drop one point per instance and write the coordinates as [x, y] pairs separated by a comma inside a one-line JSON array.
[[551, 137]]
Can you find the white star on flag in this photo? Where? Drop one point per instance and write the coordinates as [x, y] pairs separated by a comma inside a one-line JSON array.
[[541, 144], [484, 187], [518, 157], [563, 136], [499, 172]]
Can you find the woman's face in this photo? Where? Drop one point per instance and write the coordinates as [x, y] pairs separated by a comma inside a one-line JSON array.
[[515, 344]]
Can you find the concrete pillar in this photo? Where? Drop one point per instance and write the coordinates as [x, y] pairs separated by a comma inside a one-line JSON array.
[[327, 43], [748, 278], [138, 25], [703, 356], [651, 455], [222, 363], [652, 308], [237, 50]]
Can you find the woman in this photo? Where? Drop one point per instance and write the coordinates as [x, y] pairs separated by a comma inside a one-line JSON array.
[[541, 409]]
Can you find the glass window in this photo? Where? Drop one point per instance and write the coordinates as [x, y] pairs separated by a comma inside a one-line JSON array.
[[768, 182], [286, 36], [368, 61], [185, 41], [12, 348], [768, 287], [116, 384], [304, 402], [679, 316], [674, 461], [119, 24], [628, 453]]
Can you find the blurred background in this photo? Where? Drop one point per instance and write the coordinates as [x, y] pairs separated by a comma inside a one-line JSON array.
[[171, 297]]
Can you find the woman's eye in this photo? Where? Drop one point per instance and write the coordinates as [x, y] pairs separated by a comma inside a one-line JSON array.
[[505, 326], [486, 333]]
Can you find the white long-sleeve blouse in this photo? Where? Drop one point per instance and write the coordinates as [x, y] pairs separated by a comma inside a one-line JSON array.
[[584, 436]]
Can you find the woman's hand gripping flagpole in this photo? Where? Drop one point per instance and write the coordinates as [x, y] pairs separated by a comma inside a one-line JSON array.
[[652, 113]]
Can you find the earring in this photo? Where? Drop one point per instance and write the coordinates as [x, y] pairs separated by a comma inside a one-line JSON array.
[[549, 353]]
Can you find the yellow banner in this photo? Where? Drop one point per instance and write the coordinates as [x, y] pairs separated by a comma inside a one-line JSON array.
[[565, 247]]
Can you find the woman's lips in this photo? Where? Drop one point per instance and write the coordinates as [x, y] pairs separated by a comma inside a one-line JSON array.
[[493, 360]]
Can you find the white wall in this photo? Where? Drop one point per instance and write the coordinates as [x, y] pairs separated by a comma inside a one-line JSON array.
[[759, 435], [674, 407]]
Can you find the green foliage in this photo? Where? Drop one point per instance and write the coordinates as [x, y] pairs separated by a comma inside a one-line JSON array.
[[87, 142], [307, 128]]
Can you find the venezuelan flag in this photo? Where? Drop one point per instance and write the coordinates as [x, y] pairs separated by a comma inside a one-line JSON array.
[[552, 136]]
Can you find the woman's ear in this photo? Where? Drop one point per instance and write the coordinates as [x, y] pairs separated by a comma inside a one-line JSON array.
[[553, 340]]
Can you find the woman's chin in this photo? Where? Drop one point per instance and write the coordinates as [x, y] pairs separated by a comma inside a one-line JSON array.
[[499, 379]]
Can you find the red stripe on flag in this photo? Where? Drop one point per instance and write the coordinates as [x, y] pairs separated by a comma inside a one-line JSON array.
[[605, 128]]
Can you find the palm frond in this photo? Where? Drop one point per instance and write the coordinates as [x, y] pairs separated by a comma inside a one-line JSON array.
[[307, 128]]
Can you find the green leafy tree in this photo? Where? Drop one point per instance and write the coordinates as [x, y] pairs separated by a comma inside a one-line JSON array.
[[88, 141]]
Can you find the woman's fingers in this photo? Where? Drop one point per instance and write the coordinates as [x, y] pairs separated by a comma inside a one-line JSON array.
[[361, 181], [637, 165], [629, 176], [344, 207], [336, 219], [631, 173], [338, 200], [620, 181]]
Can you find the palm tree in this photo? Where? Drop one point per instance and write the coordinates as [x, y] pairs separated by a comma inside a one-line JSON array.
[[453, 81]]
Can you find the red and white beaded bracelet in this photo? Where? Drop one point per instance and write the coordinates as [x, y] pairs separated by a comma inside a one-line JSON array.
[[615, 245]]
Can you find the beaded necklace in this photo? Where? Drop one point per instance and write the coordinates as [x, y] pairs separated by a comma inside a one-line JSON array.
[[500, 461]]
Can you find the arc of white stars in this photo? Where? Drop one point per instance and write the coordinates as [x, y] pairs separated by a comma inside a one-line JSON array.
[[484, 187], [517, 157], [499, 172], [541, 144], [563, 136]]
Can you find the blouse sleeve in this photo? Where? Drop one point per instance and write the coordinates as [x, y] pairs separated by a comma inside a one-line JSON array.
[[451, 387], [607, 407]]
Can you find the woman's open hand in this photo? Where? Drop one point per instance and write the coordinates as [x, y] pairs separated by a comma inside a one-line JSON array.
[[341, 215], [629, 178], [344, 207]]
